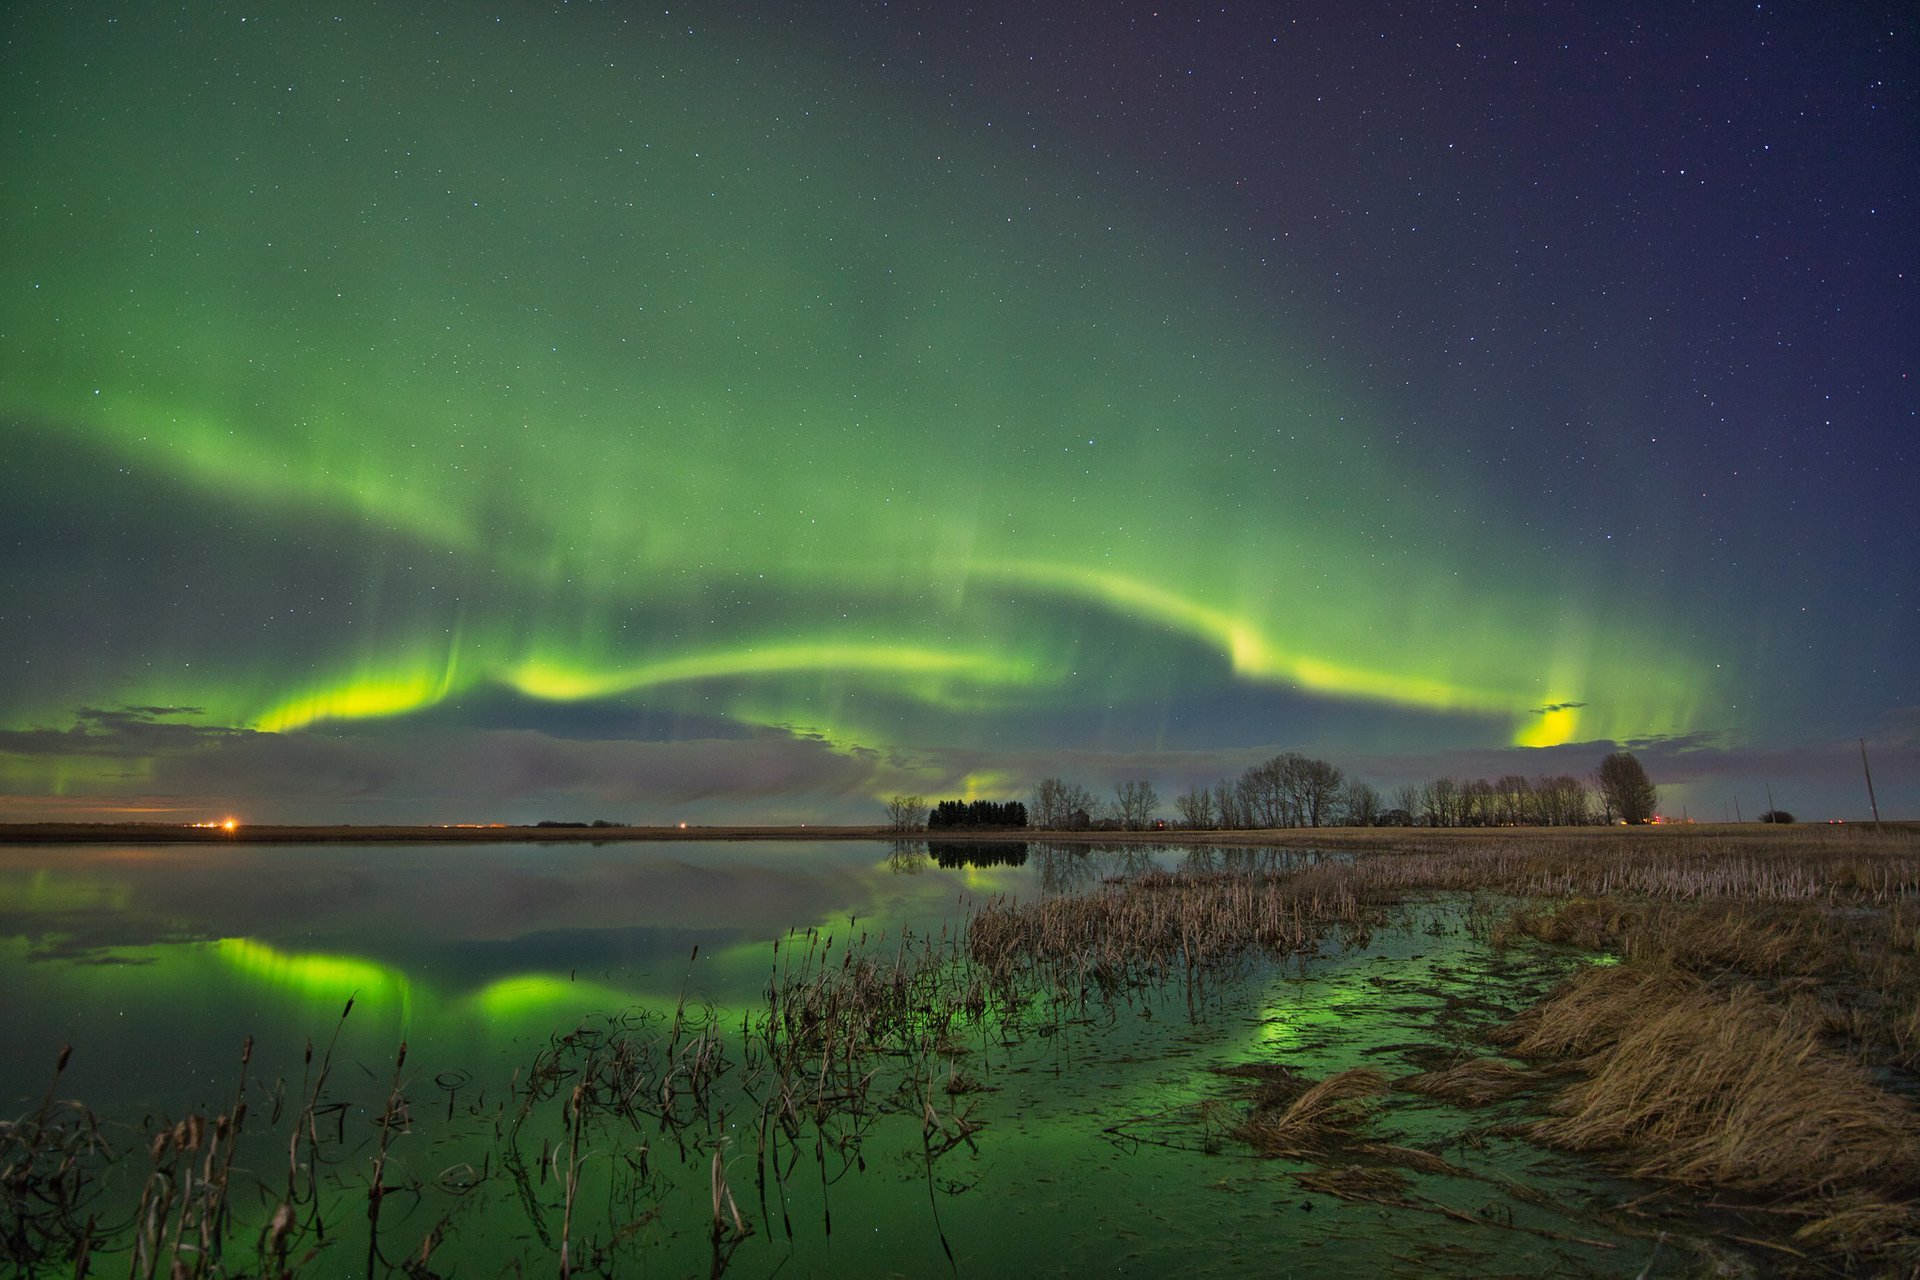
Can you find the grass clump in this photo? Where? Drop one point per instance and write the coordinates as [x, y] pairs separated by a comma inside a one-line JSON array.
[[1724, 1089], [1716, 1089], [1293, 1116], [1473, 1083]]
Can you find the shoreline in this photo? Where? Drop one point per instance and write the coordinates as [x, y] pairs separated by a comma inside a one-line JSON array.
[[152, 833]]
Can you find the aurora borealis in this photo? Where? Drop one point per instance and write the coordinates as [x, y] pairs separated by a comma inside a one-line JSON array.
[[433, 413]]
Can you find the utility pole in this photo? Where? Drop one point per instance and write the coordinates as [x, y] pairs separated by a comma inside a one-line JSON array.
[[1868, 769]]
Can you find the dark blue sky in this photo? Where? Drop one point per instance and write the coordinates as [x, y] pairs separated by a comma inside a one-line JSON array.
[[749, 411]]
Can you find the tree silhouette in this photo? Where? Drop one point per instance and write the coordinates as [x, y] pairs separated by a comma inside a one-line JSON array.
[[906, 813], [1625, 788], [1134, 803], [949, 814]]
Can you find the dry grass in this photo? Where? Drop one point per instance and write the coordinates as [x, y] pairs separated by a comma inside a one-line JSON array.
[[1765, 984], [1724, 1090], [1716, 1089], [1584, 1015], [1859, 962], [1769, 938], [51, 1164], [1295, 1117], [1372, 1183], [1473, 1083], [1867, 867], [1142, 931]]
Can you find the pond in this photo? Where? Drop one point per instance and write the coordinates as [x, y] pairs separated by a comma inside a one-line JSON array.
[[590, 1066]]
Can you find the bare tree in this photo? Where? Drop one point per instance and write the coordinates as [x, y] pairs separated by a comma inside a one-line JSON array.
[[1512, 801], [906, 813], [1055, 802], [1315, 787], [1263, 793], [1477, 799], [1437, 801], [1360, 803], [1195, 807], [1078, 800], [1046, 811], [1134, 803], [1561, 800], [1227, 808]]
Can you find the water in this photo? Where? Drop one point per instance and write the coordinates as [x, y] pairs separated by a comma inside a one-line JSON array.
[[1086, 1138]]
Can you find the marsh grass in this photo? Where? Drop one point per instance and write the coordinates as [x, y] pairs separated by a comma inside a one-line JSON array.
[[51, 1165], [1761, 997], [1858, 962], [185, 1203], [1767, 991], [1715, 1089], [1294, 1117], [1474, 1083], [1144, 931], [1730, 1093], [1663, 863], [621, 1081]]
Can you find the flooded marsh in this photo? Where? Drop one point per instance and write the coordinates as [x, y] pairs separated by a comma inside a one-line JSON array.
[[671, 1059]]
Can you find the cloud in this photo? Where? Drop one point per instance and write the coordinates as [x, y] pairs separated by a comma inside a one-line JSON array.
[[1898, 727], [122, 732], [388, 773], [427, 772]]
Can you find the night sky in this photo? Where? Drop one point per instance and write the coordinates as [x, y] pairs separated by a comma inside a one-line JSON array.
[[442, 412]]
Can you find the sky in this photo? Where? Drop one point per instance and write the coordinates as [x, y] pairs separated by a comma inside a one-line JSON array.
[[746, 412]]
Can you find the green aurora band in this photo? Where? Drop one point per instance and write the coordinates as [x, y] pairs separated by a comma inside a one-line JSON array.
[[610, 368]]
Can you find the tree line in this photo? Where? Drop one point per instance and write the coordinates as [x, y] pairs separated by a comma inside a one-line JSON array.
[[1557, 800], [1294, 790], [1059, 805], [976, 813]]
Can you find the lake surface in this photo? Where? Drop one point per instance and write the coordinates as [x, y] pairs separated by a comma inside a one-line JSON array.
[[1045, 1140]]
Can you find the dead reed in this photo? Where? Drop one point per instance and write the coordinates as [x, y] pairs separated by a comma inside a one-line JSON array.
[[1860, 962], [618, 1077], [1291, 1116], [1727, 1090], [1731, 868], [1143, 931], [1473, 1083], [184, 1213], [51, 1163], [1711, 1088]]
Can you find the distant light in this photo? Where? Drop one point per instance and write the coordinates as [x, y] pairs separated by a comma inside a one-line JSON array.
[[683, 826], [231, 824]]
